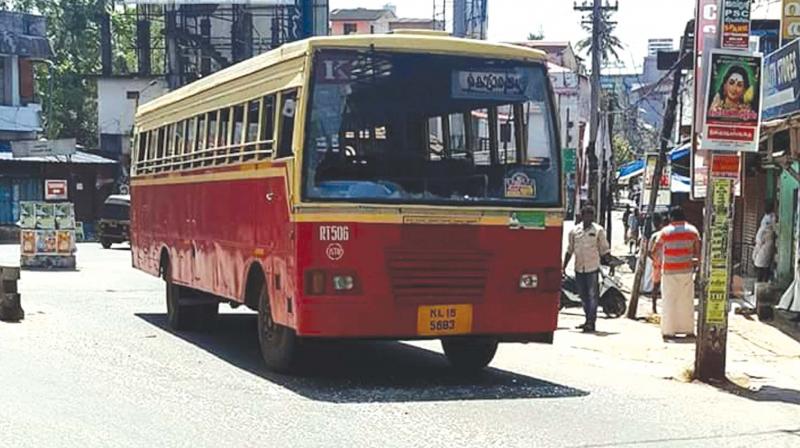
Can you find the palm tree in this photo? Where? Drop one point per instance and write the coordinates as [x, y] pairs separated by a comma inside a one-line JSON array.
[[610, 45]]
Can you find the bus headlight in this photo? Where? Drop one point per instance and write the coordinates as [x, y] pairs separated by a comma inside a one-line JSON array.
[[529, 281], [343, 282]]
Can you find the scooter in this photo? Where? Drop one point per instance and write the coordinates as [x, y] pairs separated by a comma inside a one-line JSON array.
[[611, 298]]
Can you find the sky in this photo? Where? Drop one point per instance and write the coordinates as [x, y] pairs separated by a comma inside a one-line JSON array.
[[512, 20]]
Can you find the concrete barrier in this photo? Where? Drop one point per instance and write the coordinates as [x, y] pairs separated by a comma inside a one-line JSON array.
[[10, 305]]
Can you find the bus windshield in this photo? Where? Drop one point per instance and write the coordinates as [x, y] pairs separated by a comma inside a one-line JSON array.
[[430, 129]]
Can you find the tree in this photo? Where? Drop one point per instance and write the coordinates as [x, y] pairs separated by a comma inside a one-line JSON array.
[[539, 35], [610, 45]]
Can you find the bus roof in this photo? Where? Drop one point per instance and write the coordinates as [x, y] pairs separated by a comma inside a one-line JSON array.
[[419, 42]]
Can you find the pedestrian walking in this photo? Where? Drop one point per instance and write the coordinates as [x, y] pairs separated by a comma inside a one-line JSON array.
[[764, 250], [587, 241], [659, 222], [625, 216], [678, 245], [633, 230]]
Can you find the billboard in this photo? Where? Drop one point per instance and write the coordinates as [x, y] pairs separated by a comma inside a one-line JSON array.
[[733, 101], [736, 24], [781, 82]]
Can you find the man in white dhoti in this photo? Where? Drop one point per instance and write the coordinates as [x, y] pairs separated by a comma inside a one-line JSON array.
[[678, 246]]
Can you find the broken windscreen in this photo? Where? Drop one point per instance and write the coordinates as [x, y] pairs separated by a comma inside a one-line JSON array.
[[430, 129]]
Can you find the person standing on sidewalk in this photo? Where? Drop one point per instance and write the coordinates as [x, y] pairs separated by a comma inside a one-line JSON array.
[[633, 230], [625, 217], [764, 250], [678, 244], [587, 240]]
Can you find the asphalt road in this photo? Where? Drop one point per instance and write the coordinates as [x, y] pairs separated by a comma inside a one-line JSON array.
[[93, 364]]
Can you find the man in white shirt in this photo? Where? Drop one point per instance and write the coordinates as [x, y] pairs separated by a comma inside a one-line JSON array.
[[587, 241]]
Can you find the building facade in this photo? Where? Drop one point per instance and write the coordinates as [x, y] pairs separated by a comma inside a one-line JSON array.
[[362, 21]]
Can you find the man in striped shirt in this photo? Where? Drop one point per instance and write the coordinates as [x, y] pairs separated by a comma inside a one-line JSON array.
[[678, 246]]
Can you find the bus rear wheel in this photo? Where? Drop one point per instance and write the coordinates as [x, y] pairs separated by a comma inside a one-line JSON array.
[[469, 353], [279, 344], [185, 312]]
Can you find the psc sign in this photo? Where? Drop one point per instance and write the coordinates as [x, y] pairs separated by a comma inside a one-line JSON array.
[[55, 189]]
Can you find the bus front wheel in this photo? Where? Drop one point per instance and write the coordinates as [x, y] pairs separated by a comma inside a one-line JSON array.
[[279, 344], [469, 353], [188, 309]]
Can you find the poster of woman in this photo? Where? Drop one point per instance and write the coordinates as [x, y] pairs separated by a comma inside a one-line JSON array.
[[733, 101]]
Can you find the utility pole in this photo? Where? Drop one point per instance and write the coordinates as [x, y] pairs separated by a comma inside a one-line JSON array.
[[666, 134], [596, 7]]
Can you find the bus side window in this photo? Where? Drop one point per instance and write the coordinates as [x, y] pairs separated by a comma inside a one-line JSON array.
[[142, 139], [170, 147], [161, 138], [200, 140], [179, 133], [191, 134], [237, 132], [251, 129], [222, 136], [267, 128], [287, 117]]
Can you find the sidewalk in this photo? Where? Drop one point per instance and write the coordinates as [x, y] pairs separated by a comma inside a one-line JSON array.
[[761, 357]]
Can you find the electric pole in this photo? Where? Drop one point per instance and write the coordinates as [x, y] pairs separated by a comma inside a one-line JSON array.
[[596, 7]]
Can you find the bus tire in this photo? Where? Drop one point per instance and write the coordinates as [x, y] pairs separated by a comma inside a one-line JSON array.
[[469, 354], [179, 315], [279, 344]]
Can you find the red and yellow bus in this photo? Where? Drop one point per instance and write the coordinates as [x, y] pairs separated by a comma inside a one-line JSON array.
[[403, 186]]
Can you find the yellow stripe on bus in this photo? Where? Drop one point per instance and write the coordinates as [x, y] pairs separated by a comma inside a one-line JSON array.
[[241, 174]]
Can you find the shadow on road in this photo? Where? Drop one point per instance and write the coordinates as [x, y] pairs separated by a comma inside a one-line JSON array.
[[365, 371], [764, 393]]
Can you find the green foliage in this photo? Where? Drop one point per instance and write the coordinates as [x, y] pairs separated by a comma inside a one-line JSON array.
[[623, 152], [539, 35], [610, 45]]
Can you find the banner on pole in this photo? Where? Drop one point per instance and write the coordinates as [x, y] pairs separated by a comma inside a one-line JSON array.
[[736, 24], [733, 101]]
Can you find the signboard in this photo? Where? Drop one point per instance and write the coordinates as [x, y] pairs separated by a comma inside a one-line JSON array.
[[705, 32], [55, 190], [736, 24], [664, 197], [790, 20], [43, 148], [781, 82], [725, 166], [505, 85], [733, 101], [717, 292]]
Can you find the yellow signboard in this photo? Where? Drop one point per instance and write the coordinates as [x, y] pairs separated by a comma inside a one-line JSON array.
[[790, 21], [718, 280]]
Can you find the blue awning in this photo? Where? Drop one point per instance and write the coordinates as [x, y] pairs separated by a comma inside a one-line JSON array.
[[636, 168], [680, 152]]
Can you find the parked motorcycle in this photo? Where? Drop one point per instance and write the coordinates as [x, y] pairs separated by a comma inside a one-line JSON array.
[[611, 299]]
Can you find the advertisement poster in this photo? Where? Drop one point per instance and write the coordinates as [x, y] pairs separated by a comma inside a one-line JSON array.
[[664, 197], [736, 24], [790, 20], [733, 102], [27, 215], [65, 215], [717, 294], [781, 82], [55, 190], [45, 216], [46, 242], [28, 242], [64, 242]]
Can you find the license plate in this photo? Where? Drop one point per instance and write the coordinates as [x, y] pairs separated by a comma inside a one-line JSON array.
[[440, 320]]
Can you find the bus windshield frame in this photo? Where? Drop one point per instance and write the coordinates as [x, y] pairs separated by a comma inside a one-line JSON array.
[[392, 127]]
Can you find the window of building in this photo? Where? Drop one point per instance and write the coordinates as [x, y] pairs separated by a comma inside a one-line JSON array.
[[350, 28], [287, 117]]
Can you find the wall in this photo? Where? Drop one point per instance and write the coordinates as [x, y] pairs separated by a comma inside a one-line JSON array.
[[363, 26], [116, 112]]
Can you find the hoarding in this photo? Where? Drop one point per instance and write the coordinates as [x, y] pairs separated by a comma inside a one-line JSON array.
[[664, 197], [706, 34], [733, 101], [781, 82], [43, 148]]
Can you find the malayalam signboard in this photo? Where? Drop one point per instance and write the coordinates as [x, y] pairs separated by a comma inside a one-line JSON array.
[[717, 292], [790, 20], [43, 148], [733, 101], [781, 82], [736, 24], [55, 190]]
